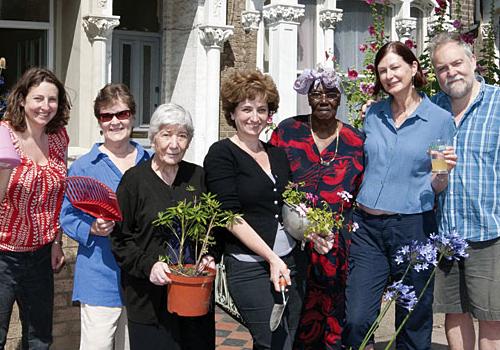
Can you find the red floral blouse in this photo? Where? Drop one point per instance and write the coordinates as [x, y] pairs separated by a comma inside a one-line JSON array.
[[29, 212]]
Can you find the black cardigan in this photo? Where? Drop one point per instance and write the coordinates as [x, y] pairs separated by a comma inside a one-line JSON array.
[[136, 243], [243, 187]]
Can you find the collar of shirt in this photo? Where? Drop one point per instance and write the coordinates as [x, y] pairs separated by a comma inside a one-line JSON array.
[[422, 110], [96, 154]]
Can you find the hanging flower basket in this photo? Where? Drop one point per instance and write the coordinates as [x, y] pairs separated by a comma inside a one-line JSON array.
[[294, 222]]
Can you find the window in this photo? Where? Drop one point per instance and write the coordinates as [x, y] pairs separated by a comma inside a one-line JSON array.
[[26, 34]]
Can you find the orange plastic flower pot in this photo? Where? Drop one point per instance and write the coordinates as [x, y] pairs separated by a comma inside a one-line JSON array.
[[190, 295]]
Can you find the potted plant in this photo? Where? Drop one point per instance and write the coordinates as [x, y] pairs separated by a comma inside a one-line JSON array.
[[303, 213], [192, 223]]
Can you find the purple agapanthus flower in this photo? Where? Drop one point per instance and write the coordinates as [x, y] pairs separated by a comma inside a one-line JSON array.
[[402, 294], [451, 245], [420, 255]]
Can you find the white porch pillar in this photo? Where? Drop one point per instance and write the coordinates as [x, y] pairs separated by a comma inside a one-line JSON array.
[[213, 34], [328, 19], [405, 28], [283, 20], [98, 29]]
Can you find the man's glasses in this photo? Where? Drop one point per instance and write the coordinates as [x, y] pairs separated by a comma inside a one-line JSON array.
[[107, 117], [315, 95]]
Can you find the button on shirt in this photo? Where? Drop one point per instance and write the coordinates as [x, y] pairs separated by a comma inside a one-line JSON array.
[[397, 163], [471, 202]]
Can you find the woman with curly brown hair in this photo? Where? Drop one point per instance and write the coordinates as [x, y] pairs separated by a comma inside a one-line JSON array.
[[31, 196], [249, 177]]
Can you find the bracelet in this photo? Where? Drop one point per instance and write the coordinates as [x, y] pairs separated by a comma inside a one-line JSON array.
[[59, 243]]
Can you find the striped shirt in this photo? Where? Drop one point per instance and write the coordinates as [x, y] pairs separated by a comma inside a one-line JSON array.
[[471, 203]]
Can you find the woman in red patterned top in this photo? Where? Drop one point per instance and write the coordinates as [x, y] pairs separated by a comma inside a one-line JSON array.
[[327, 155], [31, 195]]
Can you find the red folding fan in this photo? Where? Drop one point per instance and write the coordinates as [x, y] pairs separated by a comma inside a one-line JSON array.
[[93, 197]]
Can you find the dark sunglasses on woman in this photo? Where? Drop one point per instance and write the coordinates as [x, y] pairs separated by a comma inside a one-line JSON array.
[[107, 117]]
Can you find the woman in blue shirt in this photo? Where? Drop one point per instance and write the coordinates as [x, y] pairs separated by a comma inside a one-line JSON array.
[[97, 276], [396, 199]]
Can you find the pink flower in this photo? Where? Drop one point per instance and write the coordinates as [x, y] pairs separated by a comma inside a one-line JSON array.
[[410, 44], [302, 209], [441, 3], [370, 2], [457, 24], [362, 47], [367, 88], [352, 74], [370, 67], [480, 68], [269, 119], [373, 46], [371, 30], [467, 38]]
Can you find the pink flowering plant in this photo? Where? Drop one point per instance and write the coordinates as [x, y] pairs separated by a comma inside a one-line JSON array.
[[3, 95], [419, 256], [321, 219], [359, 86]]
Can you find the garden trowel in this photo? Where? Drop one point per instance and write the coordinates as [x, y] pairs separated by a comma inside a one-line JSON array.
[[278, 309]]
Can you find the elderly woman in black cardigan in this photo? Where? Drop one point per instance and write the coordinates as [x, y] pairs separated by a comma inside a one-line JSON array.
[[249, 177]]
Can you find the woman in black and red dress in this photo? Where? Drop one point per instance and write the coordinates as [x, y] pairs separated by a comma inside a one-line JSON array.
[[327, 155]]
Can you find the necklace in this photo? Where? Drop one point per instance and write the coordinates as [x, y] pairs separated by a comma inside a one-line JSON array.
[[321, 160]]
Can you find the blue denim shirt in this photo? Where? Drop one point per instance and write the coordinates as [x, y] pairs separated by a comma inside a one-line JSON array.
[[397, 163], [97, 275]]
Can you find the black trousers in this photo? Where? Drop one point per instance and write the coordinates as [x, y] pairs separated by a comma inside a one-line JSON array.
[[174, 333], [254, 295]]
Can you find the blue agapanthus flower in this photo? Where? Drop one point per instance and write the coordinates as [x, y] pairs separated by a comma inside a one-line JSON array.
[[402, 294], [451, 245], [420, 255]]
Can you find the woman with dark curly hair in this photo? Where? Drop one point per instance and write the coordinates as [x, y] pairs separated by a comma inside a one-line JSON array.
[[249, 177], [31, 195]]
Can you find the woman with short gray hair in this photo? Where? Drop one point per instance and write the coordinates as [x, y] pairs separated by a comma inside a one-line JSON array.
[[144, 191]]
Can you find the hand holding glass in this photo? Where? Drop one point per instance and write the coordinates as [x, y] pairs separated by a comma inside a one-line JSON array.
[[438, 160]]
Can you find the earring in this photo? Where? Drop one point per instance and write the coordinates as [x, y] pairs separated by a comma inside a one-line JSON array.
[[232, 116]]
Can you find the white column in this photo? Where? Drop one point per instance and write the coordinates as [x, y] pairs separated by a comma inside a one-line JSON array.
[[406, 28], [251, 19], [98, 29], [328, 19], [207, 128], [283, 20]]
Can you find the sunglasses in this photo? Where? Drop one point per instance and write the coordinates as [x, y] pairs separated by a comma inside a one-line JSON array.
[[107, 117]]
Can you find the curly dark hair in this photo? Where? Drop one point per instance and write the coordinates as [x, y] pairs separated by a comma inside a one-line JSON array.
[[15, 114], [241, 84], [407, 55], [111, 93]]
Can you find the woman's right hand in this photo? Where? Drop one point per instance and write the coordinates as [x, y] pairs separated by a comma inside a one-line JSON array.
[[278, 268], [4, 181], [101, 227], [158, 275]]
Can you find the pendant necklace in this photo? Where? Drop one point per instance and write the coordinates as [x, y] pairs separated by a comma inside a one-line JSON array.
[[321, 160]]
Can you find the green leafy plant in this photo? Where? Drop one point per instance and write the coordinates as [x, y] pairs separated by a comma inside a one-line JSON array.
[[487, 65], [322, 220], [192, 222]]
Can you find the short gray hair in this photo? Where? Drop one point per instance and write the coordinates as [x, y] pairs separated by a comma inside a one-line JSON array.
[[444, 38], [170, 114]]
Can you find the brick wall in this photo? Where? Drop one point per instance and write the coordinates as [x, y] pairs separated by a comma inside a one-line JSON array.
[[239, 51]]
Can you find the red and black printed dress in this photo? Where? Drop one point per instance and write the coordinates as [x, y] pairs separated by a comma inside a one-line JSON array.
[[323, 314]]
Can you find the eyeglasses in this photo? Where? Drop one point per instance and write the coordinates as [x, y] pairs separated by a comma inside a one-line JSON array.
[[107, 117], [316, 95]]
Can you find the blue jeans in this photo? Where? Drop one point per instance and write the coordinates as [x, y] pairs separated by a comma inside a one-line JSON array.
[[27, 279], [372, 265]]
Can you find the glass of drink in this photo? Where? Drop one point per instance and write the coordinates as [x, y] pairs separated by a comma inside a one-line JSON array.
[[436, 149]]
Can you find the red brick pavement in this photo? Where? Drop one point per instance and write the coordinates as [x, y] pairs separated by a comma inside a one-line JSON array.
[[230, 334]]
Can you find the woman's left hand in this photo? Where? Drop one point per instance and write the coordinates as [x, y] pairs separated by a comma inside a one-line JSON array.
[[207, 261], [451, 157], [322, 244], [57, 257]]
